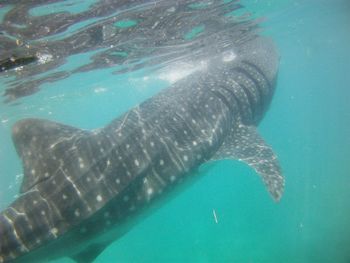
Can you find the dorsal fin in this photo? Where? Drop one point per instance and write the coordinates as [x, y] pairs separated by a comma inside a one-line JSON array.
[[90, 253], [34, 140]]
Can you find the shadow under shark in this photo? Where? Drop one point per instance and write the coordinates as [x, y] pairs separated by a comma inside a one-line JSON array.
[[84, 189]]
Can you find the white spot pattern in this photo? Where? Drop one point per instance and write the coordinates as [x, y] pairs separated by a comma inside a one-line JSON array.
[[150, 191]]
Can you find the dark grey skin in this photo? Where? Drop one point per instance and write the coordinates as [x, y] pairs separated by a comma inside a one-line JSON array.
[[83, 189]]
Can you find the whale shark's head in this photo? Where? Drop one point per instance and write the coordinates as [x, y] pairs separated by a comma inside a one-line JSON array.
[[251, 67], [263, 53], [262, 56]]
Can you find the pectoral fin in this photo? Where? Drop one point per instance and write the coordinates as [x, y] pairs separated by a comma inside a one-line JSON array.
[[246, 145]]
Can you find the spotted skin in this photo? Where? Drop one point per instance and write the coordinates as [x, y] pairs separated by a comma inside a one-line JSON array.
[[82, 187]]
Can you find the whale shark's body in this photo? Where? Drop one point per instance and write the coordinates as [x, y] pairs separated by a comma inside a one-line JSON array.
[[82, 189]]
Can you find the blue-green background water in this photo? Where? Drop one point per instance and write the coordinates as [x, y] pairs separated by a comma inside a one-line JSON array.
[[308, 126]]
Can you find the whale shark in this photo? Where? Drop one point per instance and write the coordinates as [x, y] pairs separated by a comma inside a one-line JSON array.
[[82, 189]]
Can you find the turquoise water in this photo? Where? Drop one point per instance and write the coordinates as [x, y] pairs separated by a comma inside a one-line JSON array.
[[308, 126]]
